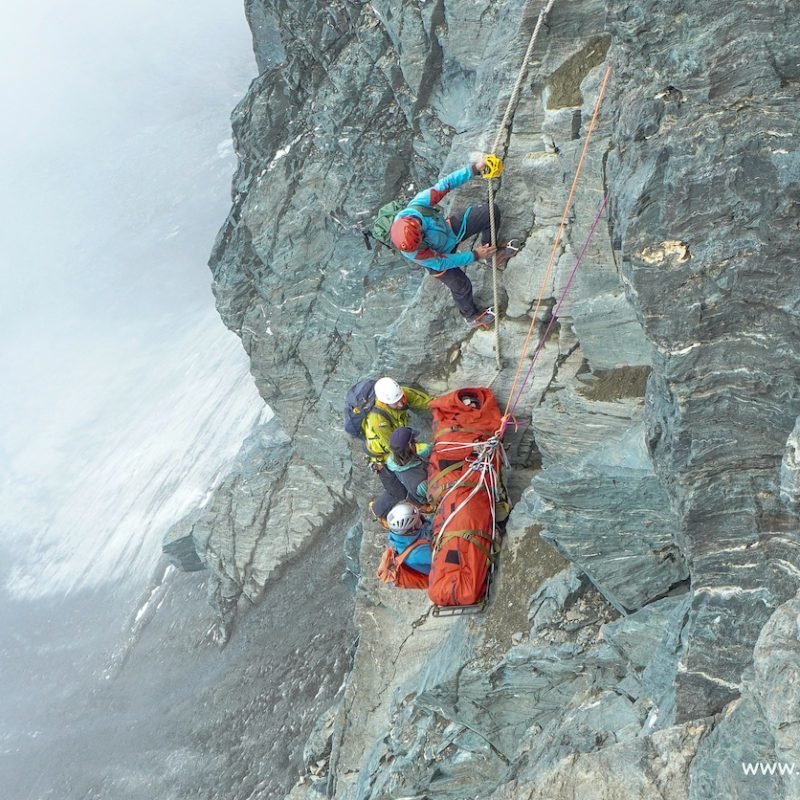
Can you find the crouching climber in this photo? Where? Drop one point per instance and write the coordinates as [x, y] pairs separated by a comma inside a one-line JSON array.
[[424, 235], [409, 462], [406, 527], [389, 412], [407, 561]]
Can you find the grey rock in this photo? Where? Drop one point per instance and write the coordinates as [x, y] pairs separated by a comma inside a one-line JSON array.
[[572, 421], [352, 546], [742, 737], [658, 678], [629, 552], [774, 684], [757, 737], [652, 769], [610, 333], [659, 409], [790, 470], [715, 245], [608, 512], [319, 744], [179, 547], [551, 598], [639, 636], [267, 43]]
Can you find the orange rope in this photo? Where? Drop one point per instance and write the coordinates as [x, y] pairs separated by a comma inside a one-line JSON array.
[[552, 260]]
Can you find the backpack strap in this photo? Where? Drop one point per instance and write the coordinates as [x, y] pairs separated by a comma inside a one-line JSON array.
[[475, 537], [437, 476], [425, 211], [410, 549], [459, 429]]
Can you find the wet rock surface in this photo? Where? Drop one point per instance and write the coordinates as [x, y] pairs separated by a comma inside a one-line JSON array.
[[654, 444]]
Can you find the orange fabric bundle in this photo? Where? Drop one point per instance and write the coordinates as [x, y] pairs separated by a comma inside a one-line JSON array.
[[463, 527], [392, 569]]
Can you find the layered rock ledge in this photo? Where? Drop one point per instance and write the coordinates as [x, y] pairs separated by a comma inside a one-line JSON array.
[[658, 440]]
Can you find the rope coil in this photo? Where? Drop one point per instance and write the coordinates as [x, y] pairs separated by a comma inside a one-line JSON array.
[[484, 465]]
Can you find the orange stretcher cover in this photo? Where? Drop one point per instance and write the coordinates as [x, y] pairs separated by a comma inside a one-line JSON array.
[[463, 532]]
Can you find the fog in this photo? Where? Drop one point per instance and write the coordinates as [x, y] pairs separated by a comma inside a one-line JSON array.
[[123, 397]]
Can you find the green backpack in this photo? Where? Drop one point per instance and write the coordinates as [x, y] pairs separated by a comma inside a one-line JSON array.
[[383, 222]]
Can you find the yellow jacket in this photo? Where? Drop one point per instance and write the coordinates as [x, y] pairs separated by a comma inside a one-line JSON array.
[[378, 425]]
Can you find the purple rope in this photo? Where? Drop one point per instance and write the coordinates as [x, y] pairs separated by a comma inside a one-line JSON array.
[[554, 316]]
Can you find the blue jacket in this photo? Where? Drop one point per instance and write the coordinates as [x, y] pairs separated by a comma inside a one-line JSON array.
[[420, 557], [414, 475], [438, 238]]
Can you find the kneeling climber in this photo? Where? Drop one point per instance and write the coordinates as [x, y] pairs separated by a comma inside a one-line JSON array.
[[390, 412], [406, 526], [409, 462]]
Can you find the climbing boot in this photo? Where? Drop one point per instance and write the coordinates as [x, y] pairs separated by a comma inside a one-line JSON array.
[[483, 319], [380, 520]]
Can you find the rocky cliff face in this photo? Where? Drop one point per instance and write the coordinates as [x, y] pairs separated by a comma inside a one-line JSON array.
[[658, 445]]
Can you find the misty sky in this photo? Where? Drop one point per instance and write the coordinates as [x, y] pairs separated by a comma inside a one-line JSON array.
[[115, 157]]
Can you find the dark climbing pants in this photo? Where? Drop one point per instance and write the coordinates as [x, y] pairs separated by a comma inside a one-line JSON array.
[[455, 280], [393, 492], [460, 287], [477, 222]]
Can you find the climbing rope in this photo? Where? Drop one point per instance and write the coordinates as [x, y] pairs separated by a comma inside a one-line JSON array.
[[512, 102], [554, 315], [521, 76], [487, 453], [554, 251]]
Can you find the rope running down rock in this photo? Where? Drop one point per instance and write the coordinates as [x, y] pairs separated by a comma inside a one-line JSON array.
[[512, 101]]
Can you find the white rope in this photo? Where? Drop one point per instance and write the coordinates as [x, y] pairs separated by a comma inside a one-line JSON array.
[[522, 71], [512, 102], [483, 465], [458, 508], [464, 476]]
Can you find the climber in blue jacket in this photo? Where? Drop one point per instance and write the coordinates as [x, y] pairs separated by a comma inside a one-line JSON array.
[[409, 462], [405, 527], [431, 240]]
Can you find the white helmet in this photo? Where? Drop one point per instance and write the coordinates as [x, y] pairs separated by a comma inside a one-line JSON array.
[[388, 391], [403, 518]]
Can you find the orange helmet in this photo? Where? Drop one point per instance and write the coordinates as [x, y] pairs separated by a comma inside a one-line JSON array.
[[406, 234]]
